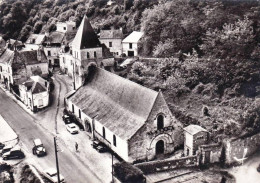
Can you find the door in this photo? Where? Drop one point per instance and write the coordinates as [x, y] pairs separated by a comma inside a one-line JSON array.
[[131, 53], [207, 157], [159, 147]]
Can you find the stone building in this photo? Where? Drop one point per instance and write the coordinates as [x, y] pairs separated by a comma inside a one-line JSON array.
[[17, 66], [34, 41], [194, 136], [130, 43], [85, 49], [113, 40], [64, 27], [132, 120]]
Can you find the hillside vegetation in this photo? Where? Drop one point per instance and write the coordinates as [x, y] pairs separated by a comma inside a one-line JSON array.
[[208, 51]]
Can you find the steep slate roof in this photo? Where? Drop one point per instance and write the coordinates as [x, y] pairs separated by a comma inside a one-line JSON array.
[[30, 57], [193, 129], [133, 37], [119, 104], [85, 37], [38, 39], [111, 34], [36, 84]]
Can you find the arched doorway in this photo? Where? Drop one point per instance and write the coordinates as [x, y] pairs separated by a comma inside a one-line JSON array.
[[159, 147]]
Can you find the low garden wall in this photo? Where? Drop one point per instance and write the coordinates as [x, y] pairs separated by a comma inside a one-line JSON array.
[[163, 165]]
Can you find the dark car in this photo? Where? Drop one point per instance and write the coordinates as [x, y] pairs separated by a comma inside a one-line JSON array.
[[2, 145], [67, 119], [99, 146], [258, 168], [6, 149], [38, 148], [15, 153]]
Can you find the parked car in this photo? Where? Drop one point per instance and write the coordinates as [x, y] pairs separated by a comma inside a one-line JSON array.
[[38, 148], [72, 128], [258, 168], [6, 149], [2, 145], [99, 146], [15, 153], [51, 174], [67, 119]]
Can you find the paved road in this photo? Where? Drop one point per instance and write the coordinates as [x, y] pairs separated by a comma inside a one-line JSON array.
[[247, 173], [74, 170]]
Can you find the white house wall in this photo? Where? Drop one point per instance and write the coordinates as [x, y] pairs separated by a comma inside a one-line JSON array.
[[121, 147], [44, 96], [134, 48], [116, 45]]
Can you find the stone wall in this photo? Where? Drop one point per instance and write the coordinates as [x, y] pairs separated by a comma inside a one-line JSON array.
[[210, 153], [234, 148], [164, 165]]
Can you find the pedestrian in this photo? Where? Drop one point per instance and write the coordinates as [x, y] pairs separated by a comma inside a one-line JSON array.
[[76, 146]]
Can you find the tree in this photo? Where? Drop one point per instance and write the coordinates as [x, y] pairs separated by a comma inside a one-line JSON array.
[[37, 27]]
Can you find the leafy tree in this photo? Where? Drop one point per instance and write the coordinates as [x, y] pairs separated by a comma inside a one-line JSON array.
[[37, 27]]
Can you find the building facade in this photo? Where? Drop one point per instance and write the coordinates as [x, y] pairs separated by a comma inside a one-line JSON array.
[[17, 66], [130, 43], [194, 136], [34, 93], [113, 40], [134, 121], [34, 42]]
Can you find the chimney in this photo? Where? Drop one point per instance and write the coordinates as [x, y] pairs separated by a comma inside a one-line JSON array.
[[39, 54]]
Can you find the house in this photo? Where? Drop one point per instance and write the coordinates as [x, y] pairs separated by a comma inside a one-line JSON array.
[[194, 136], [64, 27], [130, 43], [133, 121], [17, 66], [52, 46], [34, 41], [113, 40], [13, 44], [34, 93]]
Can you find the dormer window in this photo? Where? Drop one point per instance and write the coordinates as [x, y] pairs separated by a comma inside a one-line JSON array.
[[160, 122]]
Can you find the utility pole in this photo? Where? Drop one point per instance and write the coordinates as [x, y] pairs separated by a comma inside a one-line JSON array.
[[112, 167], [57, 162]]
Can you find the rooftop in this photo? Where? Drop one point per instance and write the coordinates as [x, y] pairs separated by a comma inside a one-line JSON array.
[[111, 34], [134, 37], [119, 104], [193, 129], [85, 37], [35, 39]]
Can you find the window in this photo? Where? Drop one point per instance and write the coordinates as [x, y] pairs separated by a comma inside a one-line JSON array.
[[8, 70], [95, 54], [1, 70], [110, 44], [104, 132], [87, 54], [77, 55], [64, 28], [72, 108], [64, 60], [49, 53], [130, 45], [114, 140], [79, 114], [160, 122]]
